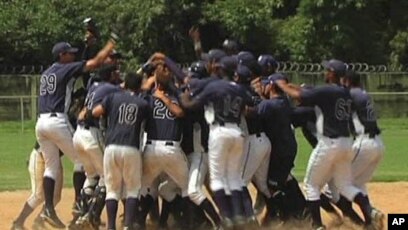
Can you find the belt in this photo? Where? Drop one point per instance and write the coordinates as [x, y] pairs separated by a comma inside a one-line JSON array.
[[166, 143], [335, 136], [223, 124], [255, 134], [52, 114], [371, 134]]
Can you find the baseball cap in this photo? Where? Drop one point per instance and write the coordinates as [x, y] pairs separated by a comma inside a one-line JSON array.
[[198, 69], [274, 77], [230, 45], [228, 63], [266, 60], [245, 58], [335, 65], [63, 47], [213, 55], [244, 73]]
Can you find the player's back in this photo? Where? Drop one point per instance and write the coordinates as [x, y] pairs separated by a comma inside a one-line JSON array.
[[162, 123], [55, 82], [126, 113], [366, 119], [333, 109], [96, 93], [276, 118], [228, 100]]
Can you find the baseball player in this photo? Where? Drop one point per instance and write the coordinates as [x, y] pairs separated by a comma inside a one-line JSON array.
[[88, 142], [275, 114], [195, 145], [256, 149], [53, 130], [226, 143], [126, 113], [36, 170], [368, 146], [332, 156], [163, 153]]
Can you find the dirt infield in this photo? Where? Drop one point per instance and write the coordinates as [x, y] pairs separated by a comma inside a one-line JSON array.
[[388, 197]]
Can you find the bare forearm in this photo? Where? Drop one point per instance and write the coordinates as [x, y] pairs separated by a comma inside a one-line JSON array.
[[100, 57]]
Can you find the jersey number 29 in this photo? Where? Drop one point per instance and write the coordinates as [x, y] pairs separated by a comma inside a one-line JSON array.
[[48, 84]]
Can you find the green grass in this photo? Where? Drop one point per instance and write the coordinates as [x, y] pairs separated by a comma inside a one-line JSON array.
[[15, 147]]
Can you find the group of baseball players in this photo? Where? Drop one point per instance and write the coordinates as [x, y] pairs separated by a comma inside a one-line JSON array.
[[167, 133]]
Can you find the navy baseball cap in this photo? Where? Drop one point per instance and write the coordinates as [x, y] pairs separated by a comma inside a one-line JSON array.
[[266, 60], [198, 69], [63, 47], [228, 63], [274, 77], [245, 58], [244, 73], [335, 65], [213, 55], [229, 44]]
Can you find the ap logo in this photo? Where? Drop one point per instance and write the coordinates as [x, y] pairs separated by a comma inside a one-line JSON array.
[[397, 221]]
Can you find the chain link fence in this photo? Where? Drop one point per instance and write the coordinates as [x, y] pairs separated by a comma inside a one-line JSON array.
[[19, 87]]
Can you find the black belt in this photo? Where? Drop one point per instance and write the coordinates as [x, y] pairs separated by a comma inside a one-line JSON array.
[[169, 143], [221, 123], [256, 134], [335, 136], [371, 134]]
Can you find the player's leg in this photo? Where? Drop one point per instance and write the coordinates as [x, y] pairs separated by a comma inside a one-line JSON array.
[[197, 174], [239, 192], [318, 173], [36, 170], [218, 144], [152, 167], [113, 181], [342, 178], [132, 177]]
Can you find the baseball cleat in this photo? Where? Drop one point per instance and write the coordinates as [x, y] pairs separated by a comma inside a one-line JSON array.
[[38, 223], [17, 226], [377, 218], [51, 218]]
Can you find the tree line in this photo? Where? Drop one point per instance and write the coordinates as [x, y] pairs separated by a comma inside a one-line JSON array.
[[370, 31]]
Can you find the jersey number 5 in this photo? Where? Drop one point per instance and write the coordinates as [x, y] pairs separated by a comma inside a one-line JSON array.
[[48, 84]]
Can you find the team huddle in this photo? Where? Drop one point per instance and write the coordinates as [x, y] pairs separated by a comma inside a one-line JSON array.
[[196, 139]]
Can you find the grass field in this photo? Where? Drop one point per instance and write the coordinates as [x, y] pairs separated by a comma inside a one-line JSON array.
[[16, 145]]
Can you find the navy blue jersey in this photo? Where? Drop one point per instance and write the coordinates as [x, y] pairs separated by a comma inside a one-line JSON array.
[[332, 105], [125, 114], [275, 116], [197, 85], [365, 119], [253, 121], [305, 118], [227, 98], [96, 93], [194, 119], [162, 124], [56, 85]]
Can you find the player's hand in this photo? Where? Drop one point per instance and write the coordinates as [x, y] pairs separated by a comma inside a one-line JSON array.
[[159, 94], [194, 33], [280, 82], [257, 85], [90, 38]]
